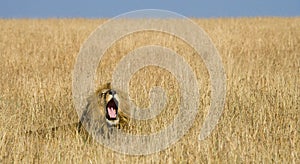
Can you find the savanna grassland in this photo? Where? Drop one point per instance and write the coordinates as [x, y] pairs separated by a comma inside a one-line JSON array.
[[260, 121]]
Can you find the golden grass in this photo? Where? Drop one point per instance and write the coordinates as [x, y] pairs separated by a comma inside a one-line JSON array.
[[260, 122]]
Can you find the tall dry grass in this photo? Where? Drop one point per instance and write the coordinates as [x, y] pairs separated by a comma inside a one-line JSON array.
[[260, 122]]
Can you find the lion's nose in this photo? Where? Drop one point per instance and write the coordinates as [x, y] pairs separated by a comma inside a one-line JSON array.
[[112, 92]]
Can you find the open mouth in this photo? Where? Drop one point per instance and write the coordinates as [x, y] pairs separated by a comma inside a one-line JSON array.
[[112, 109]]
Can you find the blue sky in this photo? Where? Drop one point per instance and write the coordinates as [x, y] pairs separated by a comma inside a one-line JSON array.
[[111, 8]]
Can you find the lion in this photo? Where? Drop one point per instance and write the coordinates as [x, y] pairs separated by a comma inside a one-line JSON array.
[[102, 113]]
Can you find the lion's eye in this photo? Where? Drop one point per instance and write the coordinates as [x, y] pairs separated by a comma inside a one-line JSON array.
[[102, 95]]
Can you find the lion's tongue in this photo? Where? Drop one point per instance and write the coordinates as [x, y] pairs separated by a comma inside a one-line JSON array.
[[112, 112]]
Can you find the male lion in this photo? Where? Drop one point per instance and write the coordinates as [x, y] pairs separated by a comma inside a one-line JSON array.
[[100, 116], [102, 113]]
